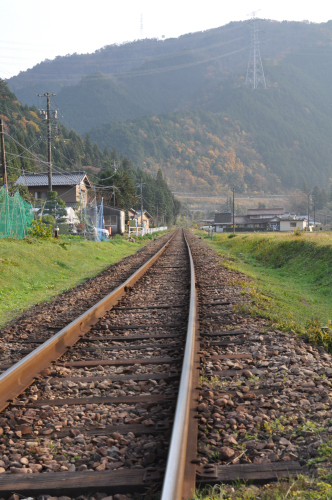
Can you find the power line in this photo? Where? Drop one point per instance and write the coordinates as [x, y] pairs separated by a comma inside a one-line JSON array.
[[21, 145], [55, 169]]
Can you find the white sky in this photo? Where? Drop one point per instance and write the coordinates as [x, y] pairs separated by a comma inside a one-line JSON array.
[[34, 30]]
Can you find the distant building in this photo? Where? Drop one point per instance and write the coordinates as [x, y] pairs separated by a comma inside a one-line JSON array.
[[114, 220], [135, 218], [257, 219], [290, 224], [72, 187]]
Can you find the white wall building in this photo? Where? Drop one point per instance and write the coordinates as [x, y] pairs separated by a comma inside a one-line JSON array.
[[292, 224]]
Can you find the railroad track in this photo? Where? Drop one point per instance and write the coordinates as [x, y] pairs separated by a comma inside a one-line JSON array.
[[90, 408], [155, 393]]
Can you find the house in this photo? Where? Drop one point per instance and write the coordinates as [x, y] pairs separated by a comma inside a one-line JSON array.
[[72, 187], [114, 220], [291, 223], [222, 220], [257, 219], [135, 218]]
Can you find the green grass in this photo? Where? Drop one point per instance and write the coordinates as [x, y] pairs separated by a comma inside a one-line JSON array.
[[35, 270], [301, 488], [291, 278]]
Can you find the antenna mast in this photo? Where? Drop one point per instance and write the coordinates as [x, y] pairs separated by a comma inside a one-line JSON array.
[[255, 72]]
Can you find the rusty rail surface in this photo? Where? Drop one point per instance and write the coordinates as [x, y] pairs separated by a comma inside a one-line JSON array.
[[18, 377], [177, 482]]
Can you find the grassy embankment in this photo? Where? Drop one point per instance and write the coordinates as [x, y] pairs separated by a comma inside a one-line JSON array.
[[35, 270], [292, 278]]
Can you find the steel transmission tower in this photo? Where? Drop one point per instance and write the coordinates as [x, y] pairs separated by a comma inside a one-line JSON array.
[[255, 72]]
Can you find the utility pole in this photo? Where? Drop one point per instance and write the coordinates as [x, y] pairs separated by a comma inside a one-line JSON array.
[[3, 156], [308, 209], [114, 188], [233, 189], [255, 72], [141, 204], [49, 137], [157, 216]]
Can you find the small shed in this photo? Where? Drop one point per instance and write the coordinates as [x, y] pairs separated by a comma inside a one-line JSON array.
[[114, 218]]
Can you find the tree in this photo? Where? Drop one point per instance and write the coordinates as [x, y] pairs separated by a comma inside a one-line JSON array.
[[54, 207]]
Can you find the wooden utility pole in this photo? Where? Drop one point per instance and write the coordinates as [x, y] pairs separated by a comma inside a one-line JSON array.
[[142, 204], [3, 156], [233, 189], [114, 188], [49, 137]]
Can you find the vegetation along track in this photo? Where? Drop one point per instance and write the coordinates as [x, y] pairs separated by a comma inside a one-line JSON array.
[[98, 420]]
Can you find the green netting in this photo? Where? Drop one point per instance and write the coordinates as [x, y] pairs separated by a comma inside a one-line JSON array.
[[15, 215]]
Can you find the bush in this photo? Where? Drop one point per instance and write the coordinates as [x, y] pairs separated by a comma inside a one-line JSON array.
[[297, 232], [48, 219], [40, 230]]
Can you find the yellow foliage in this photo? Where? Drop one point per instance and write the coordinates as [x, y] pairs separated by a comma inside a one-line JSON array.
[[34, 125], [22, 123], [34, 114]]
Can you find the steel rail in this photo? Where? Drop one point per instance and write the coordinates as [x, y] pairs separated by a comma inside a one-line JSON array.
[[177, 455], [19, 376]]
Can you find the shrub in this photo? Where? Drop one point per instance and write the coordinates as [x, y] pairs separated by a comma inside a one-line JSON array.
[[297, 232], [48, 219], [38, 229]]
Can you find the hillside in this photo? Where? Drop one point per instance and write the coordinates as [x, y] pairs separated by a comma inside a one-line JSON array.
[[280, 137], [26, 142], [197, 151], [26, 151]]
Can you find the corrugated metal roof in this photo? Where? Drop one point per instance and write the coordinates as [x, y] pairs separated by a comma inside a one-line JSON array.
[[41, 179]]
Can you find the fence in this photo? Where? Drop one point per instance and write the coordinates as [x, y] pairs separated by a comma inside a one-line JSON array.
[[15, 215], [141, 231]]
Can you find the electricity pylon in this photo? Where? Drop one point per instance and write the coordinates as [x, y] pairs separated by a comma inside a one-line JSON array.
[[255, 72]]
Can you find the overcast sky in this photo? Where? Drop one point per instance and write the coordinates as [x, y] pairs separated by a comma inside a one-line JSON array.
[[35, 30]]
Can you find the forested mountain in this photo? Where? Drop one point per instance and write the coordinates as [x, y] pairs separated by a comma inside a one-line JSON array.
[[182, 105], [197, 151], [26, 151]]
